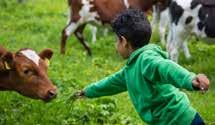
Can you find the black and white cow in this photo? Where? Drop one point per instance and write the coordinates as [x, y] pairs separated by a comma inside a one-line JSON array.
[[160, 16], [190, 17]]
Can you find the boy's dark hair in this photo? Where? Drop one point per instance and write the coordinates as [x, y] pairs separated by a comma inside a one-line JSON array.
[[134, 26]]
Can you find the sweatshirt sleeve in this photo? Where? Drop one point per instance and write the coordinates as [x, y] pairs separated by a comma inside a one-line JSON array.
[[111, 85], [165, 71]]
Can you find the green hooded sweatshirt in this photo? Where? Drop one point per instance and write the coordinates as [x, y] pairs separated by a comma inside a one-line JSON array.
[[153, 82]]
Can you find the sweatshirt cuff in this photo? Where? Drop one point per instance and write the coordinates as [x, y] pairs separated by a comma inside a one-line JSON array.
[[88, 92], [188, 81]]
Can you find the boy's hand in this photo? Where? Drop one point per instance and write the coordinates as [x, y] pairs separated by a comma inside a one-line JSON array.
[[79, 94], [201, 82]]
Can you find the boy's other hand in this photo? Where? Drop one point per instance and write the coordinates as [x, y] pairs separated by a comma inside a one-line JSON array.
[[201, 82]]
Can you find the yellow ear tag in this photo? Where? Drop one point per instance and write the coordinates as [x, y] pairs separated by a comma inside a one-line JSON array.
[[47, 62], [6, 65]]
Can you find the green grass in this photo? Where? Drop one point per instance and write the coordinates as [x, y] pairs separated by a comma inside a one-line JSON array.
[[38, 24]]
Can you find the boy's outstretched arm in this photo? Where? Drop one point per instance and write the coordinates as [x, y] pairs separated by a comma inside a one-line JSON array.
[[165, 71], [111, 85]]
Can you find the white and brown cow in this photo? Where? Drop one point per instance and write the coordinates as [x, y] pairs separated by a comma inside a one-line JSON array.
[[26, 72], [97, 11], [190, 17]]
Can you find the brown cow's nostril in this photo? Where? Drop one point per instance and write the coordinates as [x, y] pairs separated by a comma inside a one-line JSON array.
[[52, 93]]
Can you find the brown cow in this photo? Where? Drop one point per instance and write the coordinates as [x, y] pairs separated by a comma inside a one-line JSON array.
[[26, 72], [98, 11]]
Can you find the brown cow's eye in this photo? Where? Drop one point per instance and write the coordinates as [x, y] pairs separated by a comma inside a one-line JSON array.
[[27, 72]]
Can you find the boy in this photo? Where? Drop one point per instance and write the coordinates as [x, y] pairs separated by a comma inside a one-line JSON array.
[[151, 79]]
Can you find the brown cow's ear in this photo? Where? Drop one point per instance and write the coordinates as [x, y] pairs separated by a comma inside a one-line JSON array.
[[8, 60], [46, 54]]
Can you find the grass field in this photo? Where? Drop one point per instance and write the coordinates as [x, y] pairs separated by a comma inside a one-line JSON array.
[[38, 24]]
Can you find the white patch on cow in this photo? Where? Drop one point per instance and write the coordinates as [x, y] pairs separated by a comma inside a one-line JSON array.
[[71, 28], [85, 13], [32, 55], [126, 3], [184, 3]]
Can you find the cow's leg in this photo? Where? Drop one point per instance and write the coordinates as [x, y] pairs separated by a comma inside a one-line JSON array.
[[79, 35], [169, 38], [173, 51], [63, 41], [169, 35], [186, 49], [175, 42], [70, 28], [164, 20], [179, 41], [155, 16], [94, 31], [105, 33]]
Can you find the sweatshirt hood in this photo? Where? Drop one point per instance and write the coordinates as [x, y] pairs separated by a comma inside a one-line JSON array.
[[151, 49]]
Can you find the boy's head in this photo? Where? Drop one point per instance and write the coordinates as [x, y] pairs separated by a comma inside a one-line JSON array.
[[133, 31]]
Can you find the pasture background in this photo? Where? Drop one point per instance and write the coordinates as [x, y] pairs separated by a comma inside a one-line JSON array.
[[38, 24]]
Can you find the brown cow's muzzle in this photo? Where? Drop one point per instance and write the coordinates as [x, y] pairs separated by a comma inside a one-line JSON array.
[[51, 94]]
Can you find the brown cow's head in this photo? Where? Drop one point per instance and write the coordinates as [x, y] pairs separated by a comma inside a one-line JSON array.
[[28, 73]]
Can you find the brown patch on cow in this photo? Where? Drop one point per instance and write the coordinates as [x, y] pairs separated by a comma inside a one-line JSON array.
[[103, 5], [74, 10]]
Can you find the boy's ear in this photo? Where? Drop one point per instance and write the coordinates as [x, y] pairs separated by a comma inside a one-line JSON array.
[[124, 41], [8, 60]]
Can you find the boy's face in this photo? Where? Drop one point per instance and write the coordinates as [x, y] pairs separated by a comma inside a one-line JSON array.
[[123, 47]]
